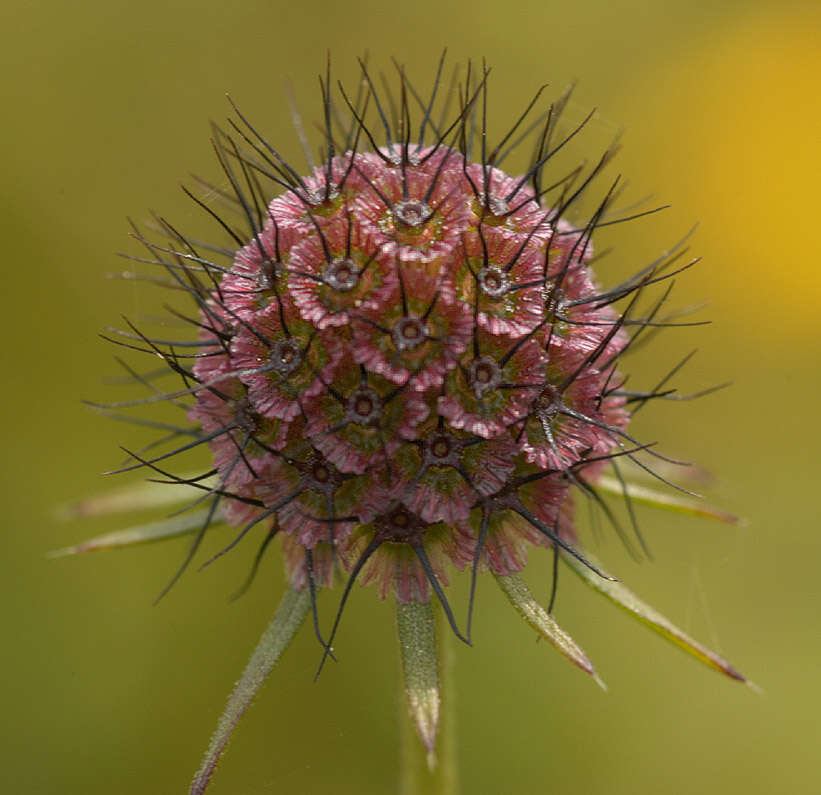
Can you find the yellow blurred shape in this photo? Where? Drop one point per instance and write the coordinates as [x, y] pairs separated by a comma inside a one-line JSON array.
[[747, 99]]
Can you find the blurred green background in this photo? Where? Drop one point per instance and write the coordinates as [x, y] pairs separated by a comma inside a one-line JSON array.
[[105, 109]]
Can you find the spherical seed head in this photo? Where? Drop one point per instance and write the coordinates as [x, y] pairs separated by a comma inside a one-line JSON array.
[[398, 330], [406, 336]]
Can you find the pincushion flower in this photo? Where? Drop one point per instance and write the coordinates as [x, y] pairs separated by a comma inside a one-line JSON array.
[[403, 366]]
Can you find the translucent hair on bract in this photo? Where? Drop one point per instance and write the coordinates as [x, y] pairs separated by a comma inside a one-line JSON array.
[[403, 363]]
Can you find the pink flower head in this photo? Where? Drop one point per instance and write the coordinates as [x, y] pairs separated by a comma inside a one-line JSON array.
[[406, 331]]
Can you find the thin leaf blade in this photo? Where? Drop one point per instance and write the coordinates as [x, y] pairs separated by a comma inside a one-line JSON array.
[[670, 502], [140, 534], [523, 601], [289, 617], [624, 598], [134, 497]]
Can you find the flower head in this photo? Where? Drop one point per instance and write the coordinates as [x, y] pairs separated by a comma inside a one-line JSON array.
[[390, 354], [404, 364]]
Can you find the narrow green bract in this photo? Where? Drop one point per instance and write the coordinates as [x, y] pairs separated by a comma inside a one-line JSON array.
[[417, 646], [629, 602], [515, 589], [277, 637]]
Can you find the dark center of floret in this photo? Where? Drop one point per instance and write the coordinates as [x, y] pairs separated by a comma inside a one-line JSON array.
[[412, 212], [321, 473], [286, 356], [364, 407], [549, 401], [493, 282], [408, 332], [399, 525], [400, 519], [245, 417], [442, 449], [317, 474], [483, 375], [341, 274], [267, 275]]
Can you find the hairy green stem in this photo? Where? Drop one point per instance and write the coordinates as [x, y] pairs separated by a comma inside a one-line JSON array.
[[426, 703]]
